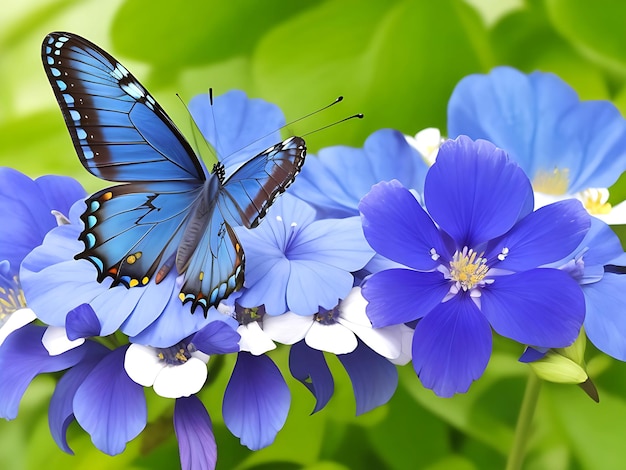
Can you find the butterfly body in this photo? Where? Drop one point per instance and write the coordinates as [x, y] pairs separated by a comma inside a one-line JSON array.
[[170, 212]]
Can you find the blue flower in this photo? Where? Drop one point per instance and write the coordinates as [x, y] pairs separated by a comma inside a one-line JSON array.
[[473, 261], [297, 263], [568, 148], [335, 181]]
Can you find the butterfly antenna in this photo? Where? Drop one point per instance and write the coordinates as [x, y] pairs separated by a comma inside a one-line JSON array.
[[337, 100], [357, 116], [196, 130], [215, 133]]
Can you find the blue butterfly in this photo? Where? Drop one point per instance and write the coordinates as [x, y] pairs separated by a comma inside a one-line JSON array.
[[171, 212]]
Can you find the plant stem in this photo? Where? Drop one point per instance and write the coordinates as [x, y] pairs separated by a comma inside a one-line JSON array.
[[524, 420]]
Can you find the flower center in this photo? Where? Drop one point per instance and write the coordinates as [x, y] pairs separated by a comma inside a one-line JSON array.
[[595, 200], [175, 355], [11, 297], [327, 317], [245, 315], [553, 182], [468, 269]]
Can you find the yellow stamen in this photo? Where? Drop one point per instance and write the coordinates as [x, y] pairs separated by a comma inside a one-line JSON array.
[[595, 201], [553, 182], [468, 268]]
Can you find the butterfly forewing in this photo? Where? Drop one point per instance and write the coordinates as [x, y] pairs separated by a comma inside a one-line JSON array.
[[119, 131], [171, 214]]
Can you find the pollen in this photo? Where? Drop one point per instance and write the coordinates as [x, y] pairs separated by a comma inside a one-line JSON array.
[[468, 268], [11, 297], [553, 182], [595, 200]]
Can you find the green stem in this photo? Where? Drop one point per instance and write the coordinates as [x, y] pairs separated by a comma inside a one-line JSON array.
[[524, 420]]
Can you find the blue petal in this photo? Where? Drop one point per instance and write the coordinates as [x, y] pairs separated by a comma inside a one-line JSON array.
[[605, 321], [340, 176], [82, 322], [22, 358], [544, 236], [109, 405], [308, 366], [541, 307], [216, 338], [239, 122], [61, 411], [194, 432], [256, 401], [398, 296], [61, 192], [374, 379], [474, 192], [600, 246], [540, 122], [451, 346], [532, 354], [397, 227]]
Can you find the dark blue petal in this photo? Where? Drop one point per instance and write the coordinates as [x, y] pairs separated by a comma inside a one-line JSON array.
[[474, 192], [216, 338], [397, 227], [109, 405], [401, 295], [239, 122], [340, 176], [540, 307], [308, 366], [605, 321], [82, 322], [544, 236], [532, 354], [374, 379], [22, 358], [451, 346], [61, 411], [256, 401], [194, 432], [61, 192]]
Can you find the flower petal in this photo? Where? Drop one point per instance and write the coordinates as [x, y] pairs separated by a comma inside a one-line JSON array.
[[474, 192], [335, 338], [401, 295], [56, 341], [217, 338], [605, 320], [61, 411], [544, 236], [374, 379], [194, 433], [256, 401], [82, 322], [254, 339], [451, 346], [288, 328], [308, 366], [15, 321], [397, 227], [541, 307], [142, 364], [22, 358], [181, 380], [109, 405]]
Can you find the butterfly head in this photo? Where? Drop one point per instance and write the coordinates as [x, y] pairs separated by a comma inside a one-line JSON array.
[[219, 171]]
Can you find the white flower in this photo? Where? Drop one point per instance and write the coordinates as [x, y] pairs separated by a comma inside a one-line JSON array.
[[173, 372]]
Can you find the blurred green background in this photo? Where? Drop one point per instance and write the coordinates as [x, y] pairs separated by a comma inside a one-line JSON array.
[[395, 61]]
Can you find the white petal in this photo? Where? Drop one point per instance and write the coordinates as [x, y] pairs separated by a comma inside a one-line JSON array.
[[181, 380], [352, 308], [617, 216], [55, 340], [254, 339], [142, 364], [336, 338], [288, 328], [15, 321], [385, 341], [407, 347], [200, 355]]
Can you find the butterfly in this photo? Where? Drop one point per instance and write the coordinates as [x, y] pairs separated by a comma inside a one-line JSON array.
[[169, 212]]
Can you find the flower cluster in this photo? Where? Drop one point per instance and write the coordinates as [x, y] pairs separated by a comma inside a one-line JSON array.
[[410, 249]]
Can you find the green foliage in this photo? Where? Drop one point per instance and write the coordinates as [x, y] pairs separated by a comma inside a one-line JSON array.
[[397, 62]]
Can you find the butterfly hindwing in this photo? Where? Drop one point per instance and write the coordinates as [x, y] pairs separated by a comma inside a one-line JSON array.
[[118, 129], [132, 230]]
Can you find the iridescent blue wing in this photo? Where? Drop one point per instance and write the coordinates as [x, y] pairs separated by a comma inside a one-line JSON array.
[[132, 231], [242, 199], [119, 131], [253, 188]]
